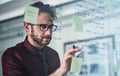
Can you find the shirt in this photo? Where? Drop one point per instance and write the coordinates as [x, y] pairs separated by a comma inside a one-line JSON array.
[[22, 60]]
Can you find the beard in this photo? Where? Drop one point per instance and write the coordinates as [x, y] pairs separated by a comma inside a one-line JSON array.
[[43, 41]]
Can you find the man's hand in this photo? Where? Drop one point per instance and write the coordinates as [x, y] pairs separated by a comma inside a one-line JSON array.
[[66, 62]]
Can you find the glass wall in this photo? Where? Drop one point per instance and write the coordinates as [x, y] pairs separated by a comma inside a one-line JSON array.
[[95, 24]]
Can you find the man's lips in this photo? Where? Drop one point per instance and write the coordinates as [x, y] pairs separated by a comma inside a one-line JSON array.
[[47, 37]]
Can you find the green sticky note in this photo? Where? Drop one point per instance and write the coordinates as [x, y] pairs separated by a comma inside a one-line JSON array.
[[76, 65], [31, 14], [77, 24], [117, 66]]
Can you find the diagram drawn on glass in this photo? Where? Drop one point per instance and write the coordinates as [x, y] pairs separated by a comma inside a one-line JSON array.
[[97, 56]]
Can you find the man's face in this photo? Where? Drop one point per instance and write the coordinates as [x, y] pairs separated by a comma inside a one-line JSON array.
[[39, 37]]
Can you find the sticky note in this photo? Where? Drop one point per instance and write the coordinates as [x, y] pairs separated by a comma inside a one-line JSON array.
[[117, 66], [76, 65], [77, 24], [31, 14], [110, 6]]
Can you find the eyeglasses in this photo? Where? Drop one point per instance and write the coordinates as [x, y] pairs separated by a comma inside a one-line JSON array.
[[45, 27]]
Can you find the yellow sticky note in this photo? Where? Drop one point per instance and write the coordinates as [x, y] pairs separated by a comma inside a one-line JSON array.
[[76, 65], [77, 24], [31, 14]]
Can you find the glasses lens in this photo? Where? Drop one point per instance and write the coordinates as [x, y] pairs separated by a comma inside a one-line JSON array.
[[53, 27], [43, 27]]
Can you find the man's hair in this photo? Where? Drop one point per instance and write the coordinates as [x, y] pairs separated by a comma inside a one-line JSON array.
[[45, 8]]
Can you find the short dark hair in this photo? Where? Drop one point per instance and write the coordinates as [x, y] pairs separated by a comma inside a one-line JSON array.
[[45, 8]]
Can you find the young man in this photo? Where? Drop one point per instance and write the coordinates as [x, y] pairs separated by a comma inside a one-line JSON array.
[[33, 57]]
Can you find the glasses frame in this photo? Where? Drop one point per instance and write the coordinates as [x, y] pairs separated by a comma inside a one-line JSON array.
[[45, 27]]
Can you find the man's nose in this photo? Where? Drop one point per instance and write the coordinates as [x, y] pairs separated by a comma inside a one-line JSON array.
[[48, 32]]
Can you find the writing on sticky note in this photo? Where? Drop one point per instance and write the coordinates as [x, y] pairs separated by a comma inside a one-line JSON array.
[[76, 65], [31, 14], [77, 24]]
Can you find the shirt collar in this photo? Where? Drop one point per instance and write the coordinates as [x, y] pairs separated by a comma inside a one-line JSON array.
[[31, 48]]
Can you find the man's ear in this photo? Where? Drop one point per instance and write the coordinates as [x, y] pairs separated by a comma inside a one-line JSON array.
[[26, 26]]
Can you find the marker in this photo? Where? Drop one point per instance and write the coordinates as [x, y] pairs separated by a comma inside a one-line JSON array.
[[76, 53], [74, 47]]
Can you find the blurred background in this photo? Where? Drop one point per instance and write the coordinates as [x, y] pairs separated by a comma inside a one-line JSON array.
[[91, 23]]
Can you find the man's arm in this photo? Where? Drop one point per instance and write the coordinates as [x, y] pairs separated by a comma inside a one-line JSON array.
[[10, 65]]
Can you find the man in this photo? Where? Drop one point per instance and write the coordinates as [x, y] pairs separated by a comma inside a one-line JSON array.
[[33, 57]]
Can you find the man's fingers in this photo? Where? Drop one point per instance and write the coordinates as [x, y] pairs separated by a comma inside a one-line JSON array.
[[73, 50]]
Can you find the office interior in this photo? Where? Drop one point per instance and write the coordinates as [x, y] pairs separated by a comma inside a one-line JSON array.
[[90, 23]]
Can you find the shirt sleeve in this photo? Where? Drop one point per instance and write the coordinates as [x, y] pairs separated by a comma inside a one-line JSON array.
[[11, 65]]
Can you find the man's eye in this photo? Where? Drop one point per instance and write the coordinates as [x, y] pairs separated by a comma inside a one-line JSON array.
[[50, 26], [43, 26]]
